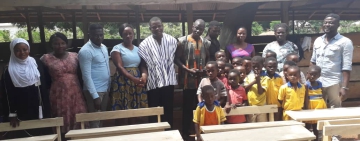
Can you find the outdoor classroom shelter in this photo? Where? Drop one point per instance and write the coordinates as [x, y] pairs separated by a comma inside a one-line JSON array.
[[233, 14]]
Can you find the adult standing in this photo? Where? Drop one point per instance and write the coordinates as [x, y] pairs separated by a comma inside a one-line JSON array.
[[128, 87], [282, 47], [158, 52], [94, 64], [66, 96], [191, 57], [24, 90], [333, 53], [212, 35], [240, 48]]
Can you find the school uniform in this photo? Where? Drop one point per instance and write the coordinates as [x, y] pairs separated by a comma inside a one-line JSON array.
[[273, 89], [316, 100], [293, 100], [203, 116]]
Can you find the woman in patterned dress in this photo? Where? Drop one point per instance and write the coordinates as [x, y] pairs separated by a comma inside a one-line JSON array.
[[128, 88], [281, 46], [66, 95]]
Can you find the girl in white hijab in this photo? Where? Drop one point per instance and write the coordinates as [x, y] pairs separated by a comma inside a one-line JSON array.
[[23, 96], [23, 71]]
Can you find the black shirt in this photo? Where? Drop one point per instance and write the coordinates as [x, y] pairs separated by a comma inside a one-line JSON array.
[[214, 47]]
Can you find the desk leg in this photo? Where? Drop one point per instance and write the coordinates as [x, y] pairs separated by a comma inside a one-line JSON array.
[[271, 116]]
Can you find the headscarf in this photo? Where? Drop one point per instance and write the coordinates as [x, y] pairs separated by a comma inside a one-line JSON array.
[[23, 73]]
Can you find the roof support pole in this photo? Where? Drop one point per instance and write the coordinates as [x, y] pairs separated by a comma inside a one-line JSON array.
[[28, 27], [74, 25], [137, 17], [85, 24], [285, 12], [42, 31], [189, 16], [183, 24]]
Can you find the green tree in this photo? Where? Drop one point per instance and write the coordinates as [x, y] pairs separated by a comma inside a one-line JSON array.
[[5, 36], [348, 27], [273, 23], [256, 29]]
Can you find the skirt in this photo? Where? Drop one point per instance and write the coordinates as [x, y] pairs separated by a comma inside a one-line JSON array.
[[125, 94], [316, 104]]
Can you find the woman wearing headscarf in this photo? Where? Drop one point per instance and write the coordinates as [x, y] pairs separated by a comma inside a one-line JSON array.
[[66, 95], [24, 88]]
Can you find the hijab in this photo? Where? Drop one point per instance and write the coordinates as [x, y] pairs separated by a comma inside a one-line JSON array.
[[23, 73]]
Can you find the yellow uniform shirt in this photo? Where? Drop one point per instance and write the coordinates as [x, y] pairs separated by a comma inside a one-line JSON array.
[[254, 97], [292, 100], [316, 100], [273, 89], [199, 114]]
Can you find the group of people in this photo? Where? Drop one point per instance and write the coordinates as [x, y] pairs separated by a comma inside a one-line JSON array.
[[63, 84]]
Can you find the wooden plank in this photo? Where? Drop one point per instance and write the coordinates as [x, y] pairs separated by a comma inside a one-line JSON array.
[[353, 90], [112, 2], [246, 126], [252, 110], [283, 133], [37, 138], [33, 124], [119, 114], [305, 62], [117, 130], [346, 129], [325, 114], [173, 135], [337, 121]]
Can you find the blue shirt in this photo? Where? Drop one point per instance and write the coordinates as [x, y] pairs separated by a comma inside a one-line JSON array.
[[332, 58], [94, 64], [130, 58]]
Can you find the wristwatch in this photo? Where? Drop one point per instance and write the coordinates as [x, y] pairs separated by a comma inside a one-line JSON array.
[[345, 88]]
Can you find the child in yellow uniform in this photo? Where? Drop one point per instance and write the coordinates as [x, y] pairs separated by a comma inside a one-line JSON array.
[[293, 95], [209, 111], [275, 82], [256, 86], [315, 95]]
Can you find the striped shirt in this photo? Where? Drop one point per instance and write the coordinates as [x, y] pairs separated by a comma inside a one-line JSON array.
[[159, 61]]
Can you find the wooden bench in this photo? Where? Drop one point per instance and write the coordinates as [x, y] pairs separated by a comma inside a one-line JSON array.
[[117, 130], [339, 127], [283, 133], [173, 135], [246, 126], [34, 124], [325, 114], [113, 131], [268, 109]]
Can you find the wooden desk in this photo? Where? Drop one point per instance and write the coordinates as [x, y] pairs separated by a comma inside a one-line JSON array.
[[246, 126], [173, 135], [36, 138], [283, 133], [325, 114]]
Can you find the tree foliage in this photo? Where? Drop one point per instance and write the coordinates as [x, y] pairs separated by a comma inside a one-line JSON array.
[[256, 29], [4, 36]]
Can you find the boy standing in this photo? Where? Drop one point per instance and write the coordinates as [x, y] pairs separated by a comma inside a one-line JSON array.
[[293, 96], [257, 87]]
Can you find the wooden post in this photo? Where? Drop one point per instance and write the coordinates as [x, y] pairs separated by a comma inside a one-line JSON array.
[[183, 24], [58, 131], [28, 27], [189, 16], [137, 17], [293, 22], [285, 12], [42, 31], [74, 25], [85, 23]]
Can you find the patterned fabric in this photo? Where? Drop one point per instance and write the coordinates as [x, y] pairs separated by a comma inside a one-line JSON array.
[[332, 58], [66, 97], [293, 99], [316, 99], [125, 94], [281, 51], [238, 52], [194, 56], [159, 61]]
